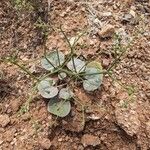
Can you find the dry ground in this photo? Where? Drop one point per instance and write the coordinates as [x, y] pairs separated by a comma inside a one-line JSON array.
[[118, 116]]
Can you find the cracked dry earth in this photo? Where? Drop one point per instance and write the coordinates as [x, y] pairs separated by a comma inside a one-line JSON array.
[[117, 117]]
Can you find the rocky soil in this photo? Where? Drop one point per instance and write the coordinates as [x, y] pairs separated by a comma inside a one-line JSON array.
[[117, 116]]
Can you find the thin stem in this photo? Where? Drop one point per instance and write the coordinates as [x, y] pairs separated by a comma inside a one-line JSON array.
[[71, 48], [23, 68], [70, 73], [58, 56], [65, 36], [74, 66], [116, 60], [48, 59], [76, 40], [50, 73], [67, 60]]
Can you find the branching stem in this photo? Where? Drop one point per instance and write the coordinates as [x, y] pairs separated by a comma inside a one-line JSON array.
[[14, 62]]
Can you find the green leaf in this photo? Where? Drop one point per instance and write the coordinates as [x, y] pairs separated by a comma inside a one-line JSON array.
[[95, 64], [46, 88], [59, 108], [55, 59], [93, 76], [65, 93], [78, 65]]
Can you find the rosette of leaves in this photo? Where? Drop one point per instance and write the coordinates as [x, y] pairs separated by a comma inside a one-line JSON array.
[[53, 60], [93, 76], [59, 103]]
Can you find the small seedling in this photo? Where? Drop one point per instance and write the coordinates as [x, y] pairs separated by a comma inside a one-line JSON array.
[[57, 63]]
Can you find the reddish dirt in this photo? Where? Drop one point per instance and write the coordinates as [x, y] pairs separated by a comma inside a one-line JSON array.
[[116, 117]]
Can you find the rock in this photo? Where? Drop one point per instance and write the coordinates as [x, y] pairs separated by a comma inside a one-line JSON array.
[[45, 143], [60, 140], [127, 18], [15, 104], [133, 13], [127, 117], [90, 140], [4, 120], [107, 31], [105, 62], [26, 116], [95, 112], [107, 14], [122, 95]]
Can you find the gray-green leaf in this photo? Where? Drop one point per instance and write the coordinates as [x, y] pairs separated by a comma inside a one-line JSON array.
[[65, 93], [59, 108], [78, 65], [91, 84], [46, 88], [93, 79], [55, 59]]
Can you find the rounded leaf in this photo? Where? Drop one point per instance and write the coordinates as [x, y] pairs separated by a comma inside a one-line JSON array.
[[91, 84], [65, 93], [95, 64], [93, 77], [76, 64], [55, 59], [46, 89], [59, 108], [91, 73]]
